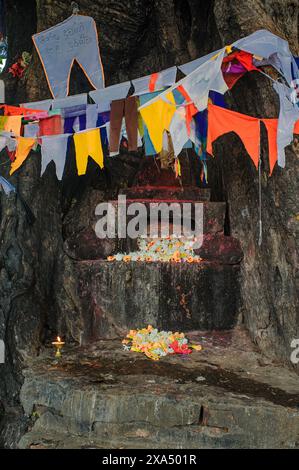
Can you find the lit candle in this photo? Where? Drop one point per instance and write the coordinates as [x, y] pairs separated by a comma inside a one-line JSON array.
[[58, 344]]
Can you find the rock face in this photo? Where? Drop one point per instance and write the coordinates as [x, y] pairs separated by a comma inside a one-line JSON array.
[[219, 397], [116, 297], [138, 37]]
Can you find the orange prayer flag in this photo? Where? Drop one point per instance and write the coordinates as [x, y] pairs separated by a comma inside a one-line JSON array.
[[24, 145], [222, 121], [18, 111], [271, 125]]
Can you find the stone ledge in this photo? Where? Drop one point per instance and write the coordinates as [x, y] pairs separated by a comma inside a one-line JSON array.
[[101, 394], [116, 296]]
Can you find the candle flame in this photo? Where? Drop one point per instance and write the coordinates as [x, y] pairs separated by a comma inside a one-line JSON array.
[[58, 339]]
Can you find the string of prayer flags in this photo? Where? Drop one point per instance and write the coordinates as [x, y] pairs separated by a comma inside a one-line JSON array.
[[54, 148], [75, 39], [88, 144], [24, 145], [222, 121]]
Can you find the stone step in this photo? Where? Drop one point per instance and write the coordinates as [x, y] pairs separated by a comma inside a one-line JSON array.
[[167, 192], [101, 396], [86, 245], [213, 214], [116, 296]]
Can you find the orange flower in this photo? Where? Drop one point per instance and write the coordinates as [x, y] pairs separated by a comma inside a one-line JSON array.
[[148, 259], [190, 259], [127, 258], [111, 258], [176, 256]]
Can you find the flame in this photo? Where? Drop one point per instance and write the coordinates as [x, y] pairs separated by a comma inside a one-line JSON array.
[[58, 339]]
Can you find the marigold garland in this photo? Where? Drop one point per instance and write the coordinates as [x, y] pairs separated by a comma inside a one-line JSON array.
[[161, 249], [155, 344]]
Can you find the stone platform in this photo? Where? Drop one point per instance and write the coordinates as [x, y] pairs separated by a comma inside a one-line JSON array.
[[100, 396], [167, 192], [116, 296]]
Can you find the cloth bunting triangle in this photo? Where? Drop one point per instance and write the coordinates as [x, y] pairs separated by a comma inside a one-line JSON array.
[[288, 115], [157, 118], [206, 77], [24, 145], [6, 186], [271, 126], [88, 144], [54, 148], [222, 121]]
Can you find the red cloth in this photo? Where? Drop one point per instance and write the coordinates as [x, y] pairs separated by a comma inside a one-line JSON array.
[[11, 154], [18, 111], [296, 127], [51, 125], [222, 121], [244, 58], [191, 109], [271, 126], [153, 81], [177, 349]]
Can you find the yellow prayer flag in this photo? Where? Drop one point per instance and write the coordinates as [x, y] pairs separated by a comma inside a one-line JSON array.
[[157, 117], [24, 145], [88, 144]]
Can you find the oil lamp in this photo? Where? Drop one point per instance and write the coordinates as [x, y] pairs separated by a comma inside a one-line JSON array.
[[58, 344]]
